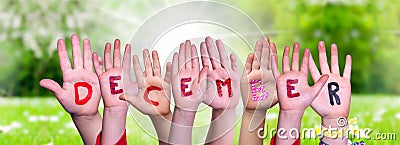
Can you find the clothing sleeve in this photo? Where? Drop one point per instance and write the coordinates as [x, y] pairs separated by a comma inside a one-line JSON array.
[[121, 141], [272, 142]]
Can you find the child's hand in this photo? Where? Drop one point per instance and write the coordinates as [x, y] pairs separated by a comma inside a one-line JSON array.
[[223, 83], [258, 93], [294, 93], [186, 77], [334, 99], [112, 86], [80, 93], [153, 97], [258, 83], [111, 81], [293, 90]]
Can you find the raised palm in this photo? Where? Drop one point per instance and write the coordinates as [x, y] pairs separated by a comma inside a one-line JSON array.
[[112, 85], [219, 74], [80, 93], [153, 96], [186, 79], [336, 104], [258, 69], [294, 92]]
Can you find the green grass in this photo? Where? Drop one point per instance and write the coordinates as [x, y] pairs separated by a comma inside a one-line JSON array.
[[54, 125]]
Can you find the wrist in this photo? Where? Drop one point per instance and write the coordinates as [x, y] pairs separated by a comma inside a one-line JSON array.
[[222, 112], [333, 122], [167, 116], [335, 130], [122, 108], [184, 112], [90, 117], [183, 117], [291, 113], [255, 112]]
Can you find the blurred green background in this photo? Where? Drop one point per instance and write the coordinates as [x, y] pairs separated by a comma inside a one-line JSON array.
[[29, 29], [367, 30]]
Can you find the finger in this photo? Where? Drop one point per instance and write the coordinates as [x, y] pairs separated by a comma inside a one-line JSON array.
[[249, 62], [257, 52], [117, 53], [76, 51], [175, 67], [274, 63], [65, 64], [126, 64], [147, 63], [97, 65], [234, 62], [295, 57], [318, 85], [265, 56], [52, 86], [156, 64], [138, 71], [87, 52], [285, 60], [188, 54], [313, 69], [222, 54], [347, 68], [195, 58], [205, 58], [306, 59], [334, 60], [107, 57], [323, 61], [212, 52], [182, 57], [203, 74], [168, 73], [256, 64], [257, 56]]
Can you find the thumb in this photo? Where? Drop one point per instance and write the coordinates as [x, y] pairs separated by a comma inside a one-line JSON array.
[[51, 85], [127, 97], [318, 85]]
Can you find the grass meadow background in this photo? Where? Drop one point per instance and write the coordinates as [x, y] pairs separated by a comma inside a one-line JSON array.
[[42, 121]]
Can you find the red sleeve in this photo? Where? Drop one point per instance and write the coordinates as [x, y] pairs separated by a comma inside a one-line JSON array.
[[121, 141], [297, 142], [98, 139]]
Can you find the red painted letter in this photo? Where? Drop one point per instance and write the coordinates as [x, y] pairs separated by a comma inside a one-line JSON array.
[[227, 83], [88, 96], [113, 85], [146, 95], [184, 86], [290, 88]]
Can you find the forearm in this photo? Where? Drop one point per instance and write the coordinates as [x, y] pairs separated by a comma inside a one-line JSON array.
[[222, 127], [181, 127], [88, 126], [333, 123], [162, 125], [248, 136], [289, 124], [114, 124]]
